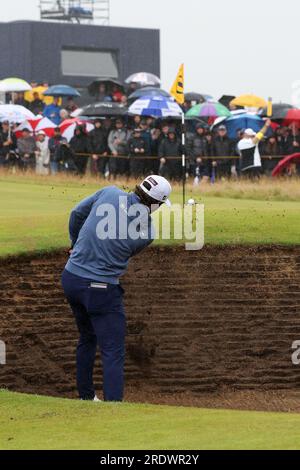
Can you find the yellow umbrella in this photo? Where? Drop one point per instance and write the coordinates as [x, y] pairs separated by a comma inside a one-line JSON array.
[[249, 101], [40, 90]]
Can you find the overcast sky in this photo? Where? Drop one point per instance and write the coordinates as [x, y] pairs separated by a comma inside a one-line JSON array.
[[229, 47]]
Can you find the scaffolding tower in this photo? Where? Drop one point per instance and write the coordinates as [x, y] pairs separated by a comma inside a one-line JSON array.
[[76, 11]]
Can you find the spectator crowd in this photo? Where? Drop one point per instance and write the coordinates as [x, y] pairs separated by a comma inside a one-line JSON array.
[[133, 146]]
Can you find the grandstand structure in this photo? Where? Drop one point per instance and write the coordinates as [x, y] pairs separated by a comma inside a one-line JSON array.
[[76, 11]]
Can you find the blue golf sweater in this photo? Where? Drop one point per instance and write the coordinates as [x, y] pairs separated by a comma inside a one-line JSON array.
[[106, 230]]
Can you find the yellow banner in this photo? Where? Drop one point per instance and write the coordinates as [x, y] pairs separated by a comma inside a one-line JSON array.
[[177, 90]]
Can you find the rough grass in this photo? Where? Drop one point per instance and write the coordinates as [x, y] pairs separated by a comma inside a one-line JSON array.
[[34, 211], [32, 422]]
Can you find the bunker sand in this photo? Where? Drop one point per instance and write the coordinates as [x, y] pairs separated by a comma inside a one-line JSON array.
[[211, 329]]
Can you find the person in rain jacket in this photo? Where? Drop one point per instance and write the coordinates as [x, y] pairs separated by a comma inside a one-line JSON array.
[[170, 147], [117, 143], [80, 144], [42, 154], [137, 150], [52, 111], [98, 143]]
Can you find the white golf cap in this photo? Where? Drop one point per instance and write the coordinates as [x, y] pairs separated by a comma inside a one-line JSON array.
[[158, 188], [250, 132], [41, 133]]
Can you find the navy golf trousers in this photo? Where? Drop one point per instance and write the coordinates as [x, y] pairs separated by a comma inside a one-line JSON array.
[[100, 317]]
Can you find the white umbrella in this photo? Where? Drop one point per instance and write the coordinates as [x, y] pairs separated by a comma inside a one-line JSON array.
[[10, 85], [15, 113], [144, 79]]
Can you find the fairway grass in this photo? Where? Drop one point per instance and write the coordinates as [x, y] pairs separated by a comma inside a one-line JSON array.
[[34, 212], [33, 422]]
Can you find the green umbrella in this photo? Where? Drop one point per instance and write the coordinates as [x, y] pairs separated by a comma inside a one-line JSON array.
[[208, 109], [11, 85]]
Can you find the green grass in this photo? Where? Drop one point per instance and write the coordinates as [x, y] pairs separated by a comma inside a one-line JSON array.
[[34, 215], [34, 422]]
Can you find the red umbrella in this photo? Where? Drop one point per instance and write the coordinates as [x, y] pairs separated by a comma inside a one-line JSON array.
[[67, 127], [292, 117], [35, 125], [283, 164]]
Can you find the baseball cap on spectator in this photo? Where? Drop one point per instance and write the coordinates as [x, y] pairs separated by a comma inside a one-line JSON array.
[[41, 133], [250, 132], [171, 130], [222, 128]]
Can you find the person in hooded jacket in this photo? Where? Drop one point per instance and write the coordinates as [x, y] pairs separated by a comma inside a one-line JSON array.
[[137, 149], [222, 146], [98, 142], [64, 157], [8, 145], [80, 144], [197, 149], [169, 148]]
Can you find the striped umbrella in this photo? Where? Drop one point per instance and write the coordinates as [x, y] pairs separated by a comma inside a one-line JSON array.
[[40, 123], [208, 110], [155, 106], [68, 127]]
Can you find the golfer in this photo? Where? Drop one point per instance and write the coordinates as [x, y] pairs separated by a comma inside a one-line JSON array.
[[248, 147], [106, 230]]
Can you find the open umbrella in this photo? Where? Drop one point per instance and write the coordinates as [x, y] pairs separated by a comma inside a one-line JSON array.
[[285, 162], [40, 123], [225, 100], [103, 110], [68, 127], [280, 111], [61, 90], [198, 97], [292, 117], [14, 113], [109, 83], [144, 79], [149, 91], [243, 121], [207, 110], [249, 101], [155, 106], [14, 85]]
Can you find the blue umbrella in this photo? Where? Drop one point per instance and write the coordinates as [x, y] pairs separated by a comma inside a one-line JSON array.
[[61, 90], [148, 91], [155, 106], [243, 121]]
